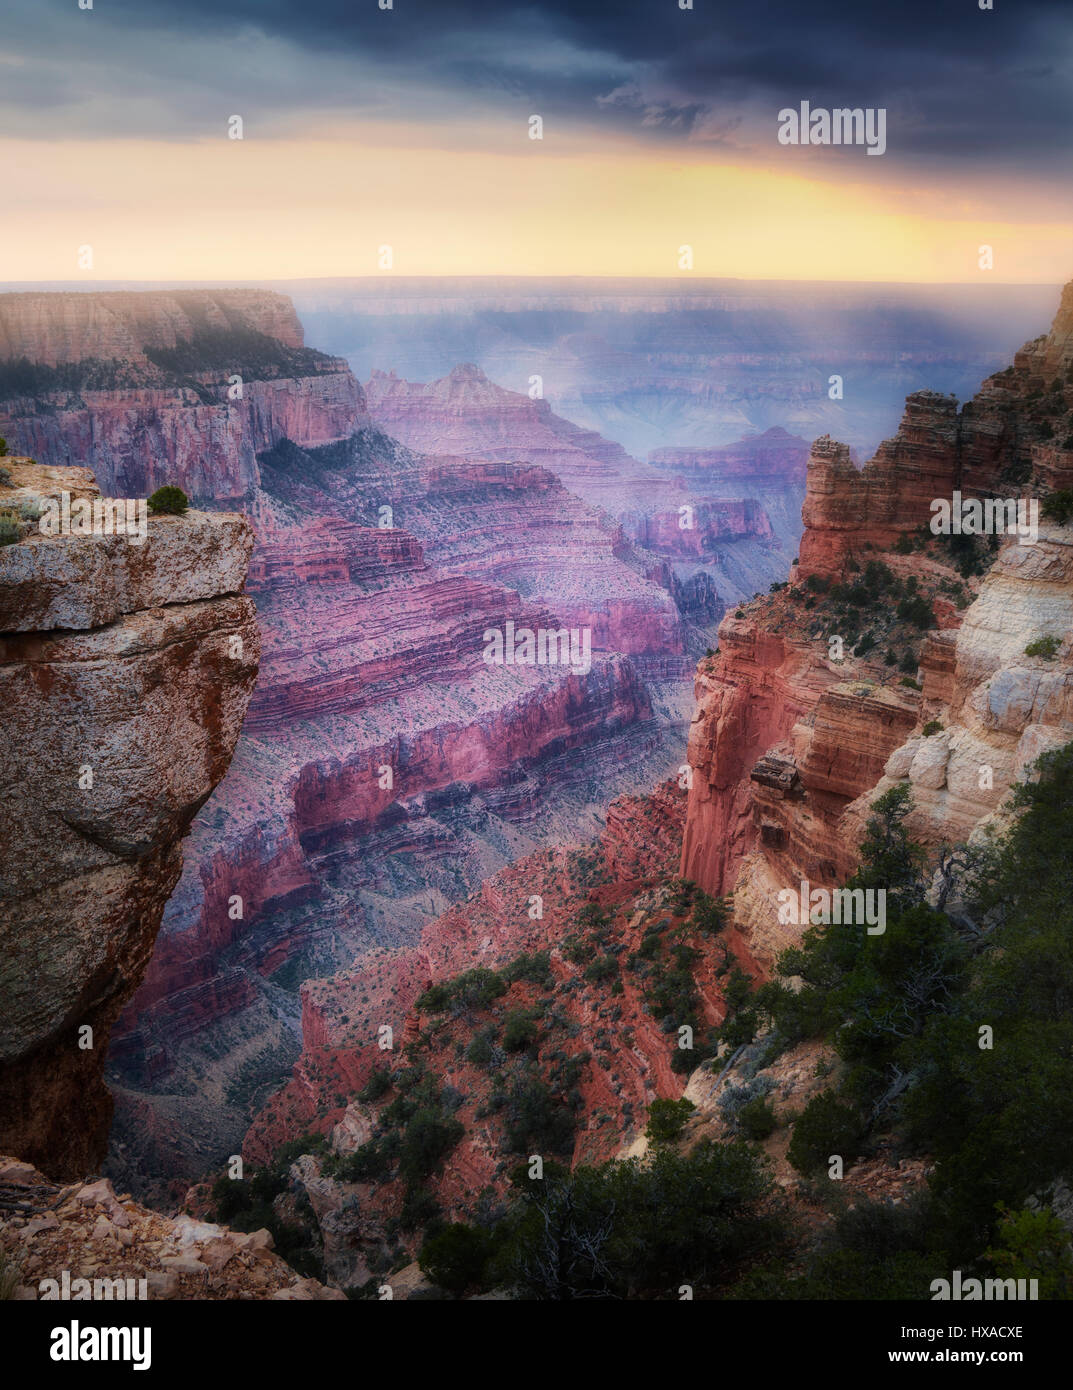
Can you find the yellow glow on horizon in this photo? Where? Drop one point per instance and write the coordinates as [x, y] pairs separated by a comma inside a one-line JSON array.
[[281, 209]]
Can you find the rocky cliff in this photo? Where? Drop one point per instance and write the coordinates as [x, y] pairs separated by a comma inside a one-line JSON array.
[[125, 670], [540, 1014], [894, 654], [151, 387], [465, 413]]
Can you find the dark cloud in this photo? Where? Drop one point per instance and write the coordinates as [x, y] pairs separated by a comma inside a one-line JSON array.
[[959, 84]]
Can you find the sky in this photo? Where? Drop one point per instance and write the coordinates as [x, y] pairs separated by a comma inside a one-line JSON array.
[[398, 141]]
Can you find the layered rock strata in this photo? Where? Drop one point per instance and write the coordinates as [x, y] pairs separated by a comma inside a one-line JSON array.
[[794, 737]]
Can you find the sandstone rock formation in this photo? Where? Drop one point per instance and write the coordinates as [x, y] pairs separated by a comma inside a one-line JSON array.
[[342, 1013], [601, 1051], [791, 744], [125, 673], [999, 707], [465, 413]]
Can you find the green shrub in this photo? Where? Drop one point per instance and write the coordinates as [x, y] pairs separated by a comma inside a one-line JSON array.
[[535, 967], [379, 1081], [648, 949], [477, 989], [797, 1014], [456, 1257], [1046, 647], [933, 726], [419, 1207], [997, 1121], [168, 501], [429, 1137], [473, 989], [916, 610], [824, 1128], [481, 1050], [433, 1000], [667, 1118], [577, 950], [593, 916], [602, 968], [631, 1228], [1033, 1244], [10, 530], [709, 914], [536, 1121], [520, 1030], [874, 1250], [374, 1159], [756, 1119], [741, 1020], [685, 1059]]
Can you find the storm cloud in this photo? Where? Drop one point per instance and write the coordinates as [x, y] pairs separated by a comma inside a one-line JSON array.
[[964, 86]]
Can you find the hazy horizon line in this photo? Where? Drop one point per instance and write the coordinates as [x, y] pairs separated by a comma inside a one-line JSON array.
[[13, 286]]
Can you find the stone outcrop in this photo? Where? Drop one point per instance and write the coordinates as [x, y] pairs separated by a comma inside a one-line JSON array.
[[85, 1241], [464, 413], [998, 707], [775, 458], [125, 673], [61, 328], [1016, 429]]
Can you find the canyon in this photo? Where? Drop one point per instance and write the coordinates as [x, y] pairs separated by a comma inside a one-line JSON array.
[[793, 738], [684, 360], [470, 861], [384, 770]]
